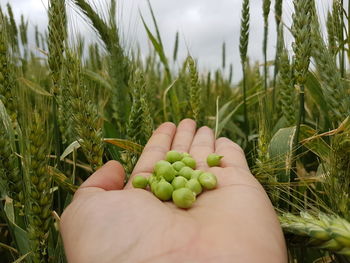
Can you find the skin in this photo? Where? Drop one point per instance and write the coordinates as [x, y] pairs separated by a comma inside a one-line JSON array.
[[110, 222]]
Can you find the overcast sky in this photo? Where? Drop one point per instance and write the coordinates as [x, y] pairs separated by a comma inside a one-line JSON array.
[[203, 25]]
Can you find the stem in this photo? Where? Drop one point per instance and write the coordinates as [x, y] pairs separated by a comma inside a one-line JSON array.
[[300, 119], [342, 65], [265, 55], [275, 72], [276, 69], [56, 131], [246, 123], [348, 36]]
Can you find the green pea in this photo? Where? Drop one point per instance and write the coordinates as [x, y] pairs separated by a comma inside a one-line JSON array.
[[178, 165], [139, 182], [194, 186], [196, 173], [164, 190], [186, 172], [183, 198], [179, 182], [153, 186], [173, 156], [189, 161], [186, 155], [160, 164], [208, 180], [213, 159], [166, 171], [152, 179]]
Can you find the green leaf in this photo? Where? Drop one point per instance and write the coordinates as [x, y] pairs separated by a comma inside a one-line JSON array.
[[281, 152], [165, 96], [315, 144], [6, 120], [125, 144], [157, 46], [154, 22], [109, 131], [98, 79], [217, 116], [22, 258], [315, 90], [21, 236], [9, 248], [224, 108], [73, 146], [35, 87], [63, 181]]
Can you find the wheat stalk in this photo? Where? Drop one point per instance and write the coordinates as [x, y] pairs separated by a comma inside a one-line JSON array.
[[38, 184], [9, 164], [332, 85], [266, 12], [286, 88], [323, 231], [279, 45], [339, 32], [223, 55], [243, 48], [56, 39], [302, 52], [195, 92], [337, 176], [84, 115], [12, 29], [8, 76], [119, 63], [332, 45], [140, 126], [136, 127], [176, 46]]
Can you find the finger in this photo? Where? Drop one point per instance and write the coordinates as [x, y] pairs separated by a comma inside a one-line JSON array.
[[232, 152], [155, 149], [109, 177], [202, 145], [184, 135], [233, 176]]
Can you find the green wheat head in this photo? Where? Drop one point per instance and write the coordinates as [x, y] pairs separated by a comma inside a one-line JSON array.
[[84, 115], [286, 88], [195, 91], [56, 40], [8, 78], [244, 35], [332, 85], [302, 41], [38, 195], [322, 231]]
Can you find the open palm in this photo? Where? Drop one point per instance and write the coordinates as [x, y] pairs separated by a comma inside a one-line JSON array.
[[107, 222]]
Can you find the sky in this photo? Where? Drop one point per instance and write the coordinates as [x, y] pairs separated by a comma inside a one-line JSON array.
[[203, 26]]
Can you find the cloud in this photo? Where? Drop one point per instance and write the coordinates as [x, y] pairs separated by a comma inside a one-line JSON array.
[[203, 25]]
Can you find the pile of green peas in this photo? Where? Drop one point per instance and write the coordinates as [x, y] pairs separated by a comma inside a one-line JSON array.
[[177, 179]]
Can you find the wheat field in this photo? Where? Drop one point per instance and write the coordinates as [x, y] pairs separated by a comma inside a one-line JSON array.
[[67, 111]]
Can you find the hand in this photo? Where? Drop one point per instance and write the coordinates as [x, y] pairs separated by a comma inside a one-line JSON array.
[[235, 222]]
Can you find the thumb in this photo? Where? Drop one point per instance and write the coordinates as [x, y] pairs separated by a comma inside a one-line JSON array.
[[109, 177]]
